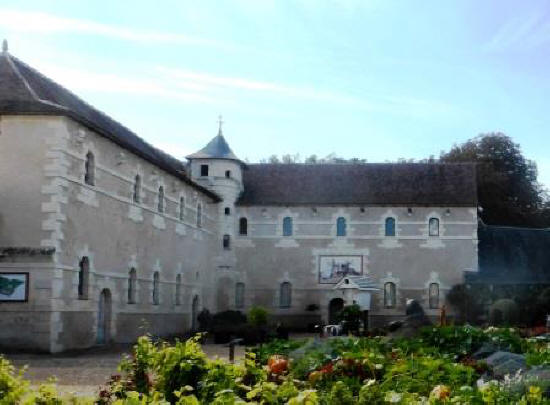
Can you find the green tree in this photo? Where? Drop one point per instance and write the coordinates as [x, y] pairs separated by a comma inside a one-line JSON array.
[[507, 186]]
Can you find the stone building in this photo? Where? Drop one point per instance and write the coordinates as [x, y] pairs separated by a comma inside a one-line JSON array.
[[103, 237]]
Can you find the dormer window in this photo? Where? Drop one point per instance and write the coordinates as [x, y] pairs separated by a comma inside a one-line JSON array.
[[204, 170], [228, 174]]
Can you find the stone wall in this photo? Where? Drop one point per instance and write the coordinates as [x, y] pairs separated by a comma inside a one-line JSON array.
[[103, 223], [412, 259]]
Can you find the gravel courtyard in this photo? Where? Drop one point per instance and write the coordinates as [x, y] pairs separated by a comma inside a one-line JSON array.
[[83, 372]]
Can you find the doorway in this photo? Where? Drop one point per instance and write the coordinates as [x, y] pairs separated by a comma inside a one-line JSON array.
[[335, 306], [104, 317], [194, 312]]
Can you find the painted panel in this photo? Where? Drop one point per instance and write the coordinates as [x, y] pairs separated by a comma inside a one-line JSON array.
[[333, 268]]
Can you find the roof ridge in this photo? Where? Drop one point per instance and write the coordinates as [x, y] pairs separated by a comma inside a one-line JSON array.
[[80, 99], [26, 83]]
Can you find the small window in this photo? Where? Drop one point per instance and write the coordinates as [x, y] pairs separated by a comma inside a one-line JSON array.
[[161, 199], [341, 226], [228, 174], [83, 278], [132, 281], [156, 288], [137, 189], [226, 242], [243, 226], [389, 295], [204, 170], [182, 208], [199, 215], [227, 211], [89, 169], [287, 226], [239, 295], [433, 227], [434, 295], [285, 298], [178, 289], [390, 226]]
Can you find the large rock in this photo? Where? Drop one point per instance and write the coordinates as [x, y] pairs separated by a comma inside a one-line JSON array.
[[506, 363]]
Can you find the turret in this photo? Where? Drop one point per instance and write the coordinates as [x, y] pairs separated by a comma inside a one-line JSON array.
[[217, 168]]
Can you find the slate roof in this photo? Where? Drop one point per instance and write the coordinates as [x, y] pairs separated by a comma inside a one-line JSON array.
[[405, 184], [23, 90], [510, 255], [365, 283], [217, 148]]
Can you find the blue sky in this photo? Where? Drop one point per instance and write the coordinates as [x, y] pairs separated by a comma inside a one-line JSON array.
[[379, 80]]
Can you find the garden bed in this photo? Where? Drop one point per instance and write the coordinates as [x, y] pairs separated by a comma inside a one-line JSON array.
[[441, 365]]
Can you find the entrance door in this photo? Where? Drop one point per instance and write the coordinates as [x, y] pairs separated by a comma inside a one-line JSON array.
[[104, 317], [334, 307], [194, 312]]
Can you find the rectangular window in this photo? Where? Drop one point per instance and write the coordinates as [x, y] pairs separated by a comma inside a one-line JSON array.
[[287, 226], [204, 170]]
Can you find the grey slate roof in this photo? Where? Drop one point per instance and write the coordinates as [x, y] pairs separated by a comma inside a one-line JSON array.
[[23, 90], [406, 184], [217, 148]]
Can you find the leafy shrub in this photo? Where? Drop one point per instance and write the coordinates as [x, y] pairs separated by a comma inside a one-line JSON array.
[[228, 324], [257, 316], [351, 317]]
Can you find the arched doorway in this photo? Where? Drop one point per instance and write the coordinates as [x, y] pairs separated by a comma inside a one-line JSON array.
[[104, 317], [194, 312], [334, 307]]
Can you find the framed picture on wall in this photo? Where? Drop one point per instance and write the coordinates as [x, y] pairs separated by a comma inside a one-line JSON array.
[[14, 287], [333, 268]]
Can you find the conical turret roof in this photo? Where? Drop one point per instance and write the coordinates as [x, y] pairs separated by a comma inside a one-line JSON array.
[[217, 148]]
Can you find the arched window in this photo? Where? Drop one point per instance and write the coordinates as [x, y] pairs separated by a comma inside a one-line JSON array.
[[160, 207], [89, 169], [132, 281], [433, 227], [178, 289], [182, 208], [227, 211], [239, 295], [83, 278], [285, 298], [137, 189], [199, 215], [390, 226], [287, 226], [389, 295], [226, 242], [228, 174], [243, 226], [341, 226], [434, 295], [156, 286]]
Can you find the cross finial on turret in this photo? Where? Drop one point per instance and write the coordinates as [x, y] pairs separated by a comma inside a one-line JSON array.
[[5, 45], [220, 123]]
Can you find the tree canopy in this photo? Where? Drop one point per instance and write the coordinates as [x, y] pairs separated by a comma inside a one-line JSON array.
[[507, 187]]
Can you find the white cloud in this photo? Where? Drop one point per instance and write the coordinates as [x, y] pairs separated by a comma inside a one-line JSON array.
[[83, 80], [45, 23], [521, 33]]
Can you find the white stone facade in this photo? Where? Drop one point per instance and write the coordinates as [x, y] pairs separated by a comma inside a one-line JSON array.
[[46, 203]]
